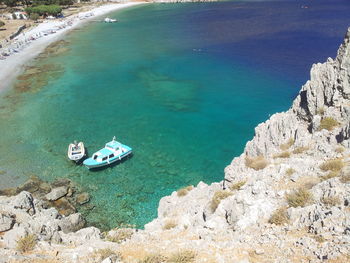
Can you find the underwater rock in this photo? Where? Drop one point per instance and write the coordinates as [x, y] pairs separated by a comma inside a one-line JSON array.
[[83, 198], [57, 193]]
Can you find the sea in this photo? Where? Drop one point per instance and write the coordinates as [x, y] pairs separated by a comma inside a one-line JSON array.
[[184, 85]]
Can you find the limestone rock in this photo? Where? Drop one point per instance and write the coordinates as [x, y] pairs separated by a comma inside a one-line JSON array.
[[83, 198], [24, 201], [57, 193], [72, 223], [6, 221]]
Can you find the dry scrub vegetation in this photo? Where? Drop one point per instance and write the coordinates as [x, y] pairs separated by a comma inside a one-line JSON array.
[[301, 197], [331, 201], [279, 217], [218, 197], [300, 149], [237, 185], [26, 243], [287, 145], [153, 258], [184, 191], [345, 178], [182, 256], [284, 154], [290, 171], [104, 253], [256, 163], [328, 123], [120, 235], [333, 166], [169, 224]]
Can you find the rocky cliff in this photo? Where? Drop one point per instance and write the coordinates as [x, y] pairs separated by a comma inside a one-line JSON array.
[[285, 199]]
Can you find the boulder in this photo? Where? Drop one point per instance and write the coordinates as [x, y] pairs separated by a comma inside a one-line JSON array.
[[83, 198], [64, 207], [12, 236], [57, 193], [6, 221], [24, 201], [72, 223]]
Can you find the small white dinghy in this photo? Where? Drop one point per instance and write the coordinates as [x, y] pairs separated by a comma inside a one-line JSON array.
[[110, 20], [76, 151]]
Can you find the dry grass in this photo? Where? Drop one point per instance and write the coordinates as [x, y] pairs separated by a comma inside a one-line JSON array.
[[339, 149], [328, 123], [218, 197], [120, 235], [334, 165], [290, 171], [287, 145], [330, 175], [153, 258], [256, 163], [320, 111], [237, 185], [331, 201], [169, 224], [104, 253], [301, 197], [284, 154], [319, 239], [300, 149], [26, 243], [183, 256], [279, 217], [345, 178], [184, 191]]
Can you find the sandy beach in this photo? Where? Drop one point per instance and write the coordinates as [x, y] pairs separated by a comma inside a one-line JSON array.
[[27, 46]]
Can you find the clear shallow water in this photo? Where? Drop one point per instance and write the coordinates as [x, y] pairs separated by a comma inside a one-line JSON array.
[[183, 84]]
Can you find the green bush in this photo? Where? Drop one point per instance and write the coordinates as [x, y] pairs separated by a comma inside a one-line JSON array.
[[52, 2], [34, 16], [10, 3], [44, 10], [2, 23]]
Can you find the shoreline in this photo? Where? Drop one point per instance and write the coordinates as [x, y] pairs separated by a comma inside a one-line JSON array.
[[33, 42]]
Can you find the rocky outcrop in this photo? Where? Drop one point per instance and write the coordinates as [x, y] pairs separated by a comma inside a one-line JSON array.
[[285, 199], [305, 148]]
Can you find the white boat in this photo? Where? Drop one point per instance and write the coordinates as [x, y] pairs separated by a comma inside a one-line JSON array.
[[110, 20], [76, 151], [112, 152]]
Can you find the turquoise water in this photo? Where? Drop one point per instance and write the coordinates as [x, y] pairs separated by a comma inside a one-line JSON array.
[[171, 81]]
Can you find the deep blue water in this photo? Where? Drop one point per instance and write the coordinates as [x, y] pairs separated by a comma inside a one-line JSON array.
[[183, 84]]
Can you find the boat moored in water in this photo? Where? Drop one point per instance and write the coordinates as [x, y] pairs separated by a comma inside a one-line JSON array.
[[110, 20], [112, 152], [76, 151]]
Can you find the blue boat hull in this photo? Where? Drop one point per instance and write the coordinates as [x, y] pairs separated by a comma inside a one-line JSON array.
[[106, 153]]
